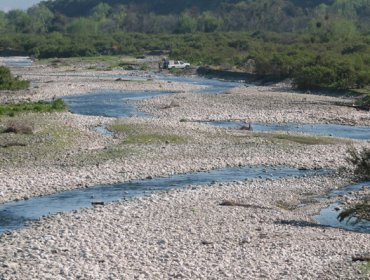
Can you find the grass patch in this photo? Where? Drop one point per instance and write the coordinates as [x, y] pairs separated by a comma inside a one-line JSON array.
[[286, 205], [365, 268], [48, 141], [38, 107], [138, 134], [123, 128], [148, 138], [306, 140]]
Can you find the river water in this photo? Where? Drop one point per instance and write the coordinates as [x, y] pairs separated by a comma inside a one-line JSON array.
[[15, 215], [336, 130], [19, 61]]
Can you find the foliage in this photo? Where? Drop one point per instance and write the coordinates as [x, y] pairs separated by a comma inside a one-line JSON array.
[[360, 211], [305, 139], [315, 76], [327, 19], [361, 162], [8, 82], [40, 106]]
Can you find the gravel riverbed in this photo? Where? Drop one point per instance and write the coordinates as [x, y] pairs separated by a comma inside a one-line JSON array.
[[186, 234], [266, 104], [266, 233]]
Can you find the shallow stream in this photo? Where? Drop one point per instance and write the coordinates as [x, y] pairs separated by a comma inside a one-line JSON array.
[[336, 130], [15, 215]]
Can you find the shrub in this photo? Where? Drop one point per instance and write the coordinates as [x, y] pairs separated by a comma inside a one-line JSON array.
[[314, 77], [8, 82], [359, 210], [361, 161]]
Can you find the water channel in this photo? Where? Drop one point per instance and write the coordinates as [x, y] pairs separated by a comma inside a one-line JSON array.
[[336, 130], [15, 215], [119, 104], [18, 61]]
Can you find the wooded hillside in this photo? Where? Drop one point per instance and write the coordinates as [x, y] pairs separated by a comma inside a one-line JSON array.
[[182, 16]]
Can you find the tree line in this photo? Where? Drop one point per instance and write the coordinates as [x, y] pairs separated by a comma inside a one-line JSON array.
[[185, 16], [318, 44]]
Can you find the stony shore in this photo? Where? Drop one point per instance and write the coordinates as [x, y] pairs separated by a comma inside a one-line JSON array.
[[268, 232]]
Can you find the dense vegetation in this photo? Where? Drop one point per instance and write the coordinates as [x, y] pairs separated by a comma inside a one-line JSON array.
[[319, 44], [8, 82], [157, 16]]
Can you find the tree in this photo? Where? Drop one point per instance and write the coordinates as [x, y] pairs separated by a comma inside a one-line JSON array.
[[19, 21], [118, 15], [208, 22], [100, 12], [3, 21], [83, 26], [41, 17], [187, 23], [316, 76]]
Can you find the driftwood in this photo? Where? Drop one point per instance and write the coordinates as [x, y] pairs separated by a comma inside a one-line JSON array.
[[173, 104], [97, 203], [364, 258], [249, 127], [238, 204], [13, 144]]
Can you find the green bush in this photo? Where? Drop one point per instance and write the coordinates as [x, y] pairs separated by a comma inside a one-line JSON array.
[[314, 77], [361, 211], [8, 82], [361, 162]]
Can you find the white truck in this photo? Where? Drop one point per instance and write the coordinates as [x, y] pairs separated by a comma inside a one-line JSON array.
[[177, 64]]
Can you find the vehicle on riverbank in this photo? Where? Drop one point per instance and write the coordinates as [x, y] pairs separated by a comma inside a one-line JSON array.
[[175, 64]]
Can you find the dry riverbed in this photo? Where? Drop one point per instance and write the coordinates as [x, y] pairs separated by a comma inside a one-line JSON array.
[[266, 232]]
